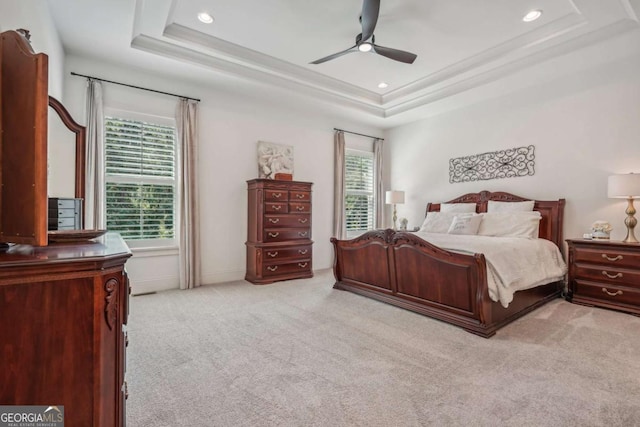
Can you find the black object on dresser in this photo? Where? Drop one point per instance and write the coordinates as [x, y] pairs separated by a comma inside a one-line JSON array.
[[605, 273], [65, 214], [279, 245]]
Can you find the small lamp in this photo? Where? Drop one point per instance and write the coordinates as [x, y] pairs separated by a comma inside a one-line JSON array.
[[626, 186], [394, 197]]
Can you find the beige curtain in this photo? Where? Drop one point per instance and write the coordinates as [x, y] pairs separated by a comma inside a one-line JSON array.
[[339, 223], [94, 168], [187, 126], [379, 188]]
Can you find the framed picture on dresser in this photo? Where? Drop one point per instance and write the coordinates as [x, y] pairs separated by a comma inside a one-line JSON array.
[[274, 159]]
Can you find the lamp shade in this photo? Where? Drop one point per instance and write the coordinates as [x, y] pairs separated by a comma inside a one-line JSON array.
[[624, 186], [394, 197]]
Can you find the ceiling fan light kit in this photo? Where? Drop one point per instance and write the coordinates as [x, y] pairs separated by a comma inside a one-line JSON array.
[[368, 20]]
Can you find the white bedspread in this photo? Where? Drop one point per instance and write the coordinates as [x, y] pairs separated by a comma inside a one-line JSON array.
[[513, 264]]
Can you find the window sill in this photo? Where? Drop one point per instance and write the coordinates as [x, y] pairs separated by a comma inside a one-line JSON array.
[[145, 252]]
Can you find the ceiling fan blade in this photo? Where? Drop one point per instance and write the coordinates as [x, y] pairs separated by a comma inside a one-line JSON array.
[[369, 17], [334, 56], [395, 54]]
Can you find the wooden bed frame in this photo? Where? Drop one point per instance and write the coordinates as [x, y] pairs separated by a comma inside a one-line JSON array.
[[404, 270]]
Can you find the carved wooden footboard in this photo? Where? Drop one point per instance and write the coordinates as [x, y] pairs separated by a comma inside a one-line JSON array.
[[402, 269]]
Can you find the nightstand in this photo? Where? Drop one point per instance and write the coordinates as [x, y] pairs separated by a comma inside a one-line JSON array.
[[605, 273]]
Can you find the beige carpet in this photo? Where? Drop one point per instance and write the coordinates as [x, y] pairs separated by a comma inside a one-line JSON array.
[[300, 353]]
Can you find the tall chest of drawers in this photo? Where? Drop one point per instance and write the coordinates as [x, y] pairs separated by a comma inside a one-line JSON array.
[[279, 245], [605, 274]]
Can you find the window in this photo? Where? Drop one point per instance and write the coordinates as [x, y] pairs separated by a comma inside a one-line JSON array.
[[140, 169], [359, 192]]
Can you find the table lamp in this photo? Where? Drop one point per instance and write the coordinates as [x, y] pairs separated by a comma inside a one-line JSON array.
[[626, 186], [394, 197]]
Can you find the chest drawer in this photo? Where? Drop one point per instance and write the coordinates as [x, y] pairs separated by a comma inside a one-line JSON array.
[[284, 234], [610, 257], [300, 196], [293, 267], [297, 252], [300, 220], [276, 195], [299, 207], [276, 208], [607, 274]]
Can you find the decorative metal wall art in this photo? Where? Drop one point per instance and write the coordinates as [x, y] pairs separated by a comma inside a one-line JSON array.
[[496, 164]]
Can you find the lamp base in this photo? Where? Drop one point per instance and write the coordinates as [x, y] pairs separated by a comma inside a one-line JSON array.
[[630, 221]]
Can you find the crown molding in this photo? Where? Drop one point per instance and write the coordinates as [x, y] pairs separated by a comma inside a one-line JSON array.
[[562, 36]]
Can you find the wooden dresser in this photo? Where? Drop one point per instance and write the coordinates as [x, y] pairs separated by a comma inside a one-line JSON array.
[[63, 308], [279, 244], [605, 274]]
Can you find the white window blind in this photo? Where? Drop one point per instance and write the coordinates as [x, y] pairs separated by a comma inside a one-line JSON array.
[[359, 191], [140, 162]]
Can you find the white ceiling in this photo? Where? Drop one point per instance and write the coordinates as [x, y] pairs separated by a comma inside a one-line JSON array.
[[459, 43]]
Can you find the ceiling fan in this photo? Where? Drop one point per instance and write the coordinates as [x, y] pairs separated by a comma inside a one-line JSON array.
[[368, 20]]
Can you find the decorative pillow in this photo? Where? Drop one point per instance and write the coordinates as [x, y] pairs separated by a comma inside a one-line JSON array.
[[465, 224], [510, 224], [458, 207], [439, 222], [526, 206]]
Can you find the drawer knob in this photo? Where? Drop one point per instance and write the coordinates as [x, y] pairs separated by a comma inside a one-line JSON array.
[[277, 207], [300, 196], [300, 208], [273, 254], [274, 220], [613, 294], [272, 267], [302, 264], [302, 233], [274, 234], [608, 258], [303, 220], [277, 195], [612, 276], [302, 251]]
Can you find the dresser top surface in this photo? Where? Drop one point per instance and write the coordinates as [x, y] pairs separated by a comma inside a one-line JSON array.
[[110, 245]]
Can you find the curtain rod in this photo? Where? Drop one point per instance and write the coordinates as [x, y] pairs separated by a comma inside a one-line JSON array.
[[361, 134], [135, 87]]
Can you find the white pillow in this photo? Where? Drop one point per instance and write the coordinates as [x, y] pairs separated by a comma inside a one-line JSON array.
[[526, 206], [458, 207], [439, 222], [510, 224], [465, 224]]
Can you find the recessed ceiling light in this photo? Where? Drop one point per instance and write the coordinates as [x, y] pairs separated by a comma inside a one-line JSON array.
[[532, 16], [205, 17], [365, 47], [383, 85]]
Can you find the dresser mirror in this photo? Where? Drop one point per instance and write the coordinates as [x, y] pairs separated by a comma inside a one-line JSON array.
[[66, 157]]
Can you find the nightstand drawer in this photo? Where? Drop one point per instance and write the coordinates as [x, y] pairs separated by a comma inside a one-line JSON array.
[[607, 256], [608, 274], [608, 293]]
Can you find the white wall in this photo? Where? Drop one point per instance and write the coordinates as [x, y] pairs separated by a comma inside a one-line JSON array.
[[230, 126], [34, 16], [584, 126]]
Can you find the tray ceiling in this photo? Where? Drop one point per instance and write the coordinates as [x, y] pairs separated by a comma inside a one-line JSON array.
[[460, 44]]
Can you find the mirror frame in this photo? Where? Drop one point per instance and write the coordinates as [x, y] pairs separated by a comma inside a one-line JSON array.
[[81, 145]]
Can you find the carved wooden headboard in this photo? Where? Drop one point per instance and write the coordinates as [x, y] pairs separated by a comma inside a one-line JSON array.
[[552, 211]]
